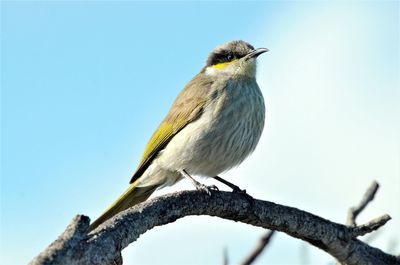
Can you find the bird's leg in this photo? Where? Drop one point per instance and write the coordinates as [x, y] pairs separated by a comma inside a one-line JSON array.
[[230, 185], [199, 186], [236, 189]]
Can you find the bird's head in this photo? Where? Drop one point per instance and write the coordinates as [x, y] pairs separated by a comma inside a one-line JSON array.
[[235, 58]]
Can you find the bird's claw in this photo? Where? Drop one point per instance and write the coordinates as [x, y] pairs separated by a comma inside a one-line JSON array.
[[199, 186], [238, 190], [206, 189], [247, 196]]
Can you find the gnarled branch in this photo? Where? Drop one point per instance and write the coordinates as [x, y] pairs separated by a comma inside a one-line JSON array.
[[103, 245]]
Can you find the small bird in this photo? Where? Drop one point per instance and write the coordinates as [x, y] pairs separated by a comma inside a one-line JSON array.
[[213, 125]]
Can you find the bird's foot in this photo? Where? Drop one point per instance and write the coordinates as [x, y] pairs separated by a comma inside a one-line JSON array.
[[235, 189], [247, 196], [199, 186], [205, 188]]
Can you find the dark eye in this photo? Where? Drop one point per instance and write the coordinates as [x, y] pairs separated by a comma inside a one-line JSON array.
[[229, 57]]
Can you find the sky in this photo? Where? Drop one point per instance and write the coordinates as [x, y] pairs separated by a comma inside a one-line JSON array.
[[85, 84]]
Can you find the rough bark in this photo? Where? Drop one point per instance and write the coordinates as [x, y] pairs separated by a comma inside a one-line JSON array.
[[104, 245]]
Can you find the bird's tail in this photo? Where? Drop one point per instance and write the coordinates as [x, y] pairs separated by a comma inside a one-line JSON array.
[[133, 195]]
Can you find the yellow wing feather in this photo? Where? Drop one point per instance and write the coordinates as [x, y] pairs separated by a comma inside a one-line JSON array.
[[187, 107]]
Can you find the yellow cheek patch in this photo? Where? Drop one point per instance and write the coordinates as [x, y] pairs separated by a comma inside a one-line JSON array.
[[222, 66]]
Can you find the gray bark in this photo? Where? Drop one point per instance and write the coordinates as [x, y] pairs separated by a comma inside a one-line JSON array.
[[104, 244]]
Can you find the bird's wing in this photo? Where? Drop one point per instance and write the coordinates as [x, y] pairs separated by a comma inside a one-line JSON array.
[[187, 107]]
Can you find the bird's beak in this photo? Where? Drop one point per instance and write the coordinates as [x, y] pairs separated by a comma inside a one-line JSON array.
[[255, 53]]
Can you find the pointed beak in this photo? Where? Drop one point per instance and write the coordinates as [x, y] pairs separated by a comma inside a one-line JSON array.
[[255, 53]]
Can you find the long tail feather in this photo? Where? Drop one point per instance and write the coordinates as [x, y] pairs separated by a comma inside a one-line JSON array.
[[132, 196]]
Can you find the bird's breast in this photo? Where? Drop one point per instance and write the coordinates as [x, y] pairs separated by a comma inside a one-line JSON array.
[[224, 135]]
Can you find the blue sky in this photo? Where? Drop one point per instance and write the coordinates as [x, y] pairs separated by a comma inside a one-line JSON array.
[[84, 84]]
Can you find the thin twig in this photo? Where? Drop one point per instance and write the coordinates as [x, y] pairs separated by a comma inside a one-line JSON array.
[[262, 243], [226, 258], [370, 226], [367, 198], [353, 213]]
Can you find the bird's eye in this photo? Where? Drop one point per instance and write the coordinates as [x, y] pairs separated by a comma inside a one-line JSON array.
[[229, 57]]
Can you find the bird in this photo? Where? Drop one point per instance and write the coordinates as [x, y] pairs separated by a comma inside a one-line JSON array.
[[214, 123]]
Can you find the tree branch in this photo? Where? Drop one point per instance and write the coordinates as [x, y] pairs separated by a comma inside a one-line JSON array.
[[104, 244], [369, 227], [226, 258], [367, 198], [353, 213], [262, 243]]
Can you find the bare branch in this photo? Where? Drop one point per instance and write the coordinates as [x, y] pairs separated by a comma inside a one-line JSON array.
[[367, 198], [226, 258], [370, 226], [69, 239], [262, 243], [353, 213], [103, 245]]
